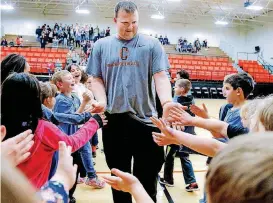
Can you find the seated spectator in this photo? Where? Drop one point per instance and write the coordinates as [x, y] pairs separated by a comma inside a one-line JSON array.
[[4, 42], [197, 45], [166, 40], [55, 42], [11, 43], [184, 47], [161, 39], [189, 48]]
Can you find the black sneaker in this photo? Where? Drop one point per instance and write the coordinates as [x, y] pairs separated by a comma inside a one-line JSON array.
[[164, 182], [192, 187], [72, 200]]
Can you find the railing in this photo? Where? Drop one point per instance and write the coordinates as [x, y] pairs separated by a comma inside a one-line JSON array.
[[228, 49], [266, 65], [247, 56]]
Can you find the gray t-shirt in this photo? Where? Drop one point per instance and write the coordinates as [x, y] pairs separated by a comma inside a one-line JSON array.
[[127, 69]]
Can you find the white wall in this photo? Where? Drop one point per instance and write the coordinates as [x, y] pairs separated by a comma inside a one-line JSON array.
[[263, 37], [25, 24]]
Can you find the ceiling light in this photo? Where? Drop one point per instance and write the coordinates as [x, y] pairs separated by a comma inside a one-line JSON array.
[[82, 11], [255, 8], [6, 7], [220, 22], [158, 16]]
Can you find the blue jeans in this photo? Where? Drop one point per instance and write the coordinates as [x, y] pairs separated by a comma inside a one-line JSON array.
[[186, 164], [94, 141], [54, 164], [86, 155]]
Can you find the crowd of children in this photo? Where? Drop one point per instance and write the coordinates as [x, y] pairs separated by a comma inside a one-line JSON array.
[[43, 117]]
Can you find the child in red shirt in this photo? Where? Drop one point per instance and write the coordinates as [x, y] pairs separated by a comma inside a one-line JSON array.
[[22, 110]]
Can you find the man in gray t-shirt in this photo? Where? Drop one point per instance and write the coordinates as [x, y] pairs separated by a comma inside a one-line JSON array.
[[128, 70]]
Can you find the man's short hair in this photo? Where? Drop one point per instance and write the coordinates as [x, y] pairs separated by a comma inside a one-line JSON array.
[[57, 77], [186, 84], [241, 80], [183, 74], [128, 6], [242, 171]]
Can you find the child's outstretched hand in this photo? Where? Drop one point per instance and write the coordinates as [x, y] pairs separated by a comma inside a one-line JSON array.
[[98, 107], [16, 149], [125, 182], [201, 112], [181, 116], [166, 136]]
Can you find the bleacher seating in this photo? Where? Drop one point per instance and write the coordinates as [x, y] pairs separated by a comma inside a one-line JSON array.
[[257, 71], [201, 67], [37, 58]]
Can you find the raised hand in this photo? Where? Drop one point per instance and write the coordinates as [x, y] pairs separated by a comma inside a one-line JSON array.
[[125, 182], [201, 112], [16, 149], [181, 116], [166, 136]]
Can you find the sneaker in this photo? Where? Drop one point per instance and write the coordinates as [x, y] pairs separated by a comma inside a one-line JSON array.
[[164, 182], [80, 180], [95, 182], [72, 200], [192, 187]]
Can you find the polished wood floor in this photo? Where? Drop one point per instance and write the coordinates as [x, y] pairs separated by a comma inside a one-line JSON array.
[[85, 194]]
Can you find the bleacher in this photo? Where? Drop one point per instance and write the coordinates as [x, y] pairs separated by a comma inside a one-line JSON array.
[[37, 58], [257, 71], [201, 67]]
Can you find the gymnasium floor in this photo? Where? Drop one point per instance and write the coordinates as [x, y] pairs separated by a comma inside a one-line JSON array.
[[85, 194]]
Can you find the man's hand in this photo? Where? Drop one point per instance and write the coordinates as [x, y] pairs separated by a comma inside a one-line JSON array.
[[166, 110], [16, 149], [201, 112]]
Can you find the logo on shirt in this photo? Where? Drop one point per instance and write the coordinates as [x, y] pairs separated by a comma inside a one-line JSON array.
[[124, 53]]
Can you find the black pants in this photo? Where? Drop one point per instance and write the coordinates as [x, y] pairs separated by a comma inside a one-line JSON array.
[[125, 138], [76, 160]]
